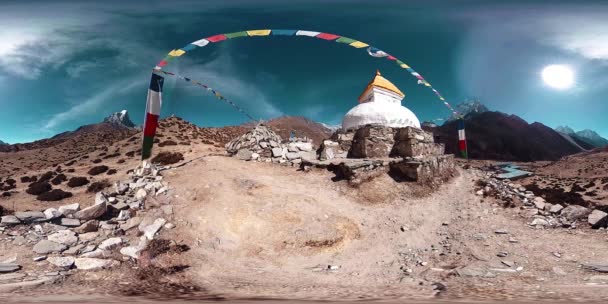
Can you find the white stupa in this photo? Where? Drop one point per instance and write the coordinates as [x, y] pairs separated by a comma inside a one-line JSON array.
[[380, 104]]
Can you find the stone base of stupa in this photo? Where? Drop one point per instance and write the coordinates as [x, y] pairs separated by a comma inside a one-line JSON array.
[[406, 153]]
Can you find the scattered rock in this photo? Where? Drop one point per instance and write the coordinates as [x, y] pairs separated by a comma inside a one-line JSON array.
[[9, 220], [110, 243], [70, 209], [556, 208], [244, 154], [39, 258], [68, 222], [91, 213], [66, 237], [9, 267], [141, 194], [46, 246], [598, 219], [94, 263], [52, 213], [89, 226], [30, 216], [65, 262], [501, 231], [575, 212], [150, 230]]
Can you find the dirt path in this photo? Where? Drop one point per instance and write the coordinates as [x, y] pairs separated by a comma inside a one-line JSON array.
[[259, 229]]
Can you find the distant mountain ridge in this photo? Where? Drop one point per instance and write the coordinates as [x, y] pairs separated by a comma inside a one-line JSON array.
[[469, 107], [588, 137], [2, 143], [120, 119], [499, 136]]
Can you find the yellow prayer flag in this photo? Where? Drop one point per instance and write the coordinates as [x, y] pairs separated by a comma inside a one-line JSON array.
[[405, 66], [176, 53], [359, 44], [258, 33]]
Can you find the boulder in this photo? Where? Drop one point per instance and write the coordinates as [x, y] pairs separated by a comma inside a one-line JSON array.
[[52, 213], [131, 223], [9, 220], [278, 152], [150, 230], [101, 198], [9, 267], [94, 264], [89, 226], [598, 219], [575, 213], [556, 208], [121, 188], [46, 246], [304, 146], [87, 237], [65, 237], [244, 154], [64, 262], [97, 253], [539, 203], [134, 251], [141, 194], [91, 213], [292, 155], [68, 222], [30, 216], [67, 210], [110, 243]]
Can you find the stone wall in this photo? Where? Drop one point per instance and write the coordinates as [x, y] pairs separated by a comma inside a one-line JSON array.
[[381, 142], [426, 168], [372, 142]]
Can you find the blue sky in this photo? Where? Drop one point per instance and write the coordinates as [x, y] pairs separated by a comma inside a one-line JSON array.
[[64, 64]]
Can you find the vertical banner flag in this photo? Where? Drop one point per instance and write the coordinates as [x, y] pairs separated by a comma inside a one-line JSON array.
[[152, 113], [462, 140]]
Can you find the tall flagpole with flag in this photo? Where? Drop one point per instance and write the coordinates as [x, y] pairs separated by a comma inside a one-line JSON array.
[[153, 105], [462, 139]]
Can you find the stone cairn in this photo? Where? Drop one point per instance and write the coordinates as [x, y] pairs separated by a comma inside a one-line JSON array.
[[540, 213], [264, 145], [70, 238]]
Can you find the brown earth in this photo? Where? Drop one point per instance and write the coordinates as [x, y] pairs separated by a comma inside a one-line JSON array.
[[263, 230]]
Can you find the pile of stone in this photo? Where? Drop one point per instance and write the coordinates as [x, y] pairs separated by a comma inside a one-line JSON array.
[[84, 238], [541, 213], [264, 145]]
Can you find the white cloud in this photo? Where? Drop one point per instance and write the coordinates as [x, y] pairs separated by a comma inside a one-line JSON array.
[[222, 75], [94, 102], [585, 35]]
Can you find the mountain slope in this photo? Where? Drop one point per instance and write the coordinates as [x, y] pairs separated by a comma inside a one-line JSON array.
[[495, 135], [120, 119], [592, 137], [302, 126]]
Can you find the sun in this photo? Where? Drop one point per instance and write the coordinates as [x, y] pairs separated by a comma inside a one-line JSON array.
[[557, 76]]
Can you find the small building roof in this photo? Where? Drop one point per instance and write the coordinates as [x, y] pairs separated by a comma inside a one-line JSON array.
[[381, 82]]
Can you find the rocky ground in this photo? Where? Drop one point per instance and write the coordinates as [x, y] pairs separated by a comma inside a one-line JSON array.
[[203, 225]]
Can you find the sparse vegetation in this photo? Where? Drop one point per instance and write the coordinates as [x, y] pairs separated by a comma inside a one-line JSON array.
[[60, 178], [111, 171], [168, 158], [96, 161], [167, 143], [54, 195], [98, 186], [98, 170], [39, 188], [77, 182]]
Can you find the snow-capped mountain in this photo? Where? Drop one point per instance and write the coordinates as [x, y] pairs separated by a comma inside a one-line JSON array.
[[120, 118], [587, 136], [592, 137], [565, 130], [471, 106]]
